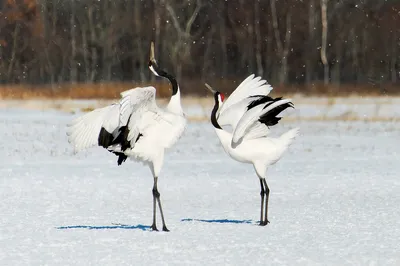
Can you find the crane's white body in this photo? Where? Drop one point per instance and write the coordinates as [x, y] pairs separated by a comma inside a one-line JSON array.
[[261, 152], [137, 109], [249, 141], [250, 113]]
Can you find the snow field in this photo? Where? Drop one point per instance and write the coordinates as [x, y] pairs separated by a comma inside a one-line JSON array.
[[335, 199]]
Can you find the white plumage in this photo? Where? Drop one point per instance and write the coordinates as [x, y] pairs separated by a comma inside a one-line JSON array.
[[251, 113], [134, 127], [236, 102], [138, 111], [232, 109], [250, 120]]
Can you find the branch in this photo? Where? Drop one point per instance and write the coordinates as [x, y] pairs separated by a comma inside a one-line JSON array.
[[193, 17], [14, 49], [181, 32], [173, 16], [275, 26]]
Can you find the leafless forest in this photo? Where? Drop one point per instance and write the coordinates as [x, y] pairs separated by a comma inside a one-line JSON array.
[[292, 43]]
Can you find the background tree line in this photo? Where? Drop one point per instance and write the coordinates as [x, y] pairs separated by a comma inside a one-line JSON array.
[[285, 41]]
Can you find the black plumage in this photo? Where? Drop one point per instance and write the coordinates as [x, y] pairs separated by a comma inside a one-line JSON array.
[[260, 99], [106, 139], [270, 118]]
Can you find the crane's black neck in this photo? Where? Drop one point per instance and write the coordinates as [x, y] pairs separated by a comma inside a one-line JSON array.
[[164, 74], [214, 112], [173, 81]]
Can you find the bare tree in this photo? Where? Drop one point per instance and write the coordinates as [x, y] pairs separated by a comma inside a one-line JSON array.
[[324, 36], [181, 48], [258, 40], [309, 60], [94, 57], [138, 41], [282, 46], [286, 41], [15, 48], [73, 64]]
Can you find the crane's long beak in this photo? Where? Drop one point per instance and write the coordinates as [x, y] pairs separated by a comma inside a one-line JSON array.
[[210, 88], [152, 57]]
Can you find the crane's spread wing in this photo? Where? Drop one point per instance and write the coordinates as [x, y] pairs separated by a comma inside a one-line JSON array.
[[103, 126], [232, 114], [250, 86], [133, 105], [137, 101], [83, 132], [237, 103], [265, 114], [256, 130]]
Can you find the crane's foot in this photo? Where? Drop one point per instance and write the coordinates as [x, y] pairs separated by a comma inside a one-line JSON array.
[[264, 223], [165, 229], [154, 227]]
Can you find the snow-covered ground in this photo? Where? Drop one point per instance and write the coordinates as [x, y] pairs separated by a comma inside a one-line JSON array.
[[335, 199]]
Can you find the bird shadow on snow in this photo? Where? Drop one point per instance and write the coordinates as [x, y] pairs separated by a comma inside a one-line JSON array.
[[105, 227], [148, 228], [219, 221]]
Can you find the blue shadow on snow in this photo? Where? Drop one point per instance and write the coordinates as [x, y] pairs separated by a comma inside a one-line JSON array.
[[218, 221], [103, 227]]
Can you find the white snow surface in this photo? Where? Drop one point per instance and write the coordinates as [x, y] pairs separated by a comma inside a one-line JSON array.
[[335, 198]]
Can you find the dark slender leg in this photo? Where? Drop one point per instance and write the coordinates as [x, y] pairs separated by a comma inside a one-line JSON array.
[[162, 215], [262, 193], [266, 202], [155, 192], [157, 196]]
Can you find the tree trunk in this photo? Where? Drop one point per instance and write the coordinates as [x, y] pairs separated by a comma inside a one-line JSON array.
[[13, 59], [86, 53], [258, 40], [337, 75], [222, 36], [311, 32], [93, 51], [106, 40], [73, 64], [393, 58], [269, 55], [138, 40], [206, 57], [285, 53], [324, 36], [283, 49]]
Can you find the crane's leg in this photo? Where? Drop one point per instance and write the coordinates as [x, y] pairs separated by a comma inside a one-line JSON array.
[[155, 193], [262, 193], [260, 168], [157, 196], [266, 201]]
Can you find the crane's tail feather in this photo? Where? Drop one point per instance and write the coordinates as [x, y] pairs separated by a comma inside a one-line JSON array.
[[288, 137]]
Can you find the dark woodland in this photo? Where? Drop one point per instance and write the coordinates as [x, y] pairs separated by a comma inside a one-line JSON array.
[[288, 42]]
